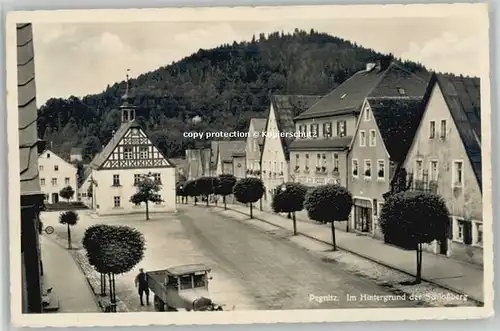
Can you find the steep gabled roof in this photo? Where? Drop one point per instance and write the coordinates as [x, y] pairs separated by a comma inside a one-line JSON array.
[[349, 96], [397, 121], [227, 148], [463, 98], [103, 156], [286, 107], [259, 125], [65, 160]]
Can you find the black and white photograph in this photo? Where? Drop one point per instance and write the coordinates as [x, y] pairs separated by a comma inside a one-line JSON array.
[[238, 165]]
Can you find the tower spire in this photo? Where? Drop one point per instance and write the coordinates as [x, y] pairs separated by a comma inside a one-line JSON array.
[[128, 110]]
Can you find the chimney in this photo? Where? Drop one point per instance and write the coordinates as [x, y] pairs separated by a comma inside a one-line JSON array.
[[370, 66], [384, 62]]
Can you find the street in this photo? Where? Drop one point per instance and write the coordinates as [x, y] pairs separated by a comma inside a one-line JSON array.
[[251, 269]]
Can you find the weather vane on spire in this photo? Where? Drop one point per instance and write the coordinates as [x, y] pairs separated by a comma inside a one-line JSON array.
[[127, 75]]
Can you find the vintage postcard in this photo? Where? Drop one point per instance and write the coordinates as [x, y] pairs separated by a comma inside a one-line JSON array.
[[241, 165]]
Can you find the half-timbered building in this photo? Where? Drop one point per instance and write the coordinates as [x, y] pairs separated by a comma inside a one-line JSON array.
[[128, 157]]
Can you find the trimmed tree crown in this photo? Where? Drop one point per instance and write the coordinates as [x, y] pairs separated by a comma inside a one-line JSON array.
[[248, 190], [67, 192], [68, 217], [225, 184], [328, 203], [113, 249], [289, 200], [414, 217]]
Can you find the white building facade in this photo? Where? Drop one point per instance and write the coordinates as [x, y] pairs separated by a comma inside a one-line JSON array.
[[56, 174], [129, 157]]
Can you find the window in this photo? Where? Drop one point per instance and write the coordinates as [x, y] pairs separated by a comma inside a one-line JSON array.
[[419, 170], [48, 155], [443, 129], [433, 170], [368, 169], [372, 138], [159, 200], [116, 201], [281, 166], [54, 181], [362, 138], [40, 167], [463, 231], [307, 161], [327, 129], [335, 162], [380, 169], [401, 91], [157, 178], [341, 128], [367, 114], [127, 153], [56, 168], [137, 179], [143, 152], [323, 158], [355, 168], [314, 130], [432, 129], [318, 160], [297, 161], [116, 180], [66, 181], [42, 181], [84, 195], [477, 234], [458, 174]]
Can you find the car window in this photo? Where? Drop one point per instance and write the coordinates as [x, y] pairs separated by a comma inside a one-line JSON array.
[[199, 281], [186, 282]]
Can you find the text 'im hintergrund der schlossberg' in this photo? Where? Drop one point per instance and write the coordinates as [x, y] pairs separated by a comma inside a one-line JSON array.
[[239, 134]]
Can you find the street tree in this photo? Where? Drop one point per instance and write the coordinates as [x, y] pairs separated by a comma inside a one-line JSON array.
[[414, 218], [190, 190], [114, 250], [289, 198], [205, 187], [67, 193], [249, 190], [329, 204], [91, 243], [147, 191], [225, 184], [69, 218]]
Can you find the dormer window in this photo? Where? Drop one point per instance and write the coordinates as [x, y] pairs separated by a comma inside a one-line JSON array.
[[343, 96], [367, 114], [401, 91]]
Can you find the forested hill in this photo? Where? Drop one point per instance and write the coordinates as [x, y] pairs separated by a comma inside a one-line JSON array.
[[225, 86]]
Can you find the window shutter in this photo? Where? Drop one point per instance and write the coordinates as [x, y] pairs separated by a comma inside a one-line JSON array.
[[467, 233], [338, 128], [449, 228]]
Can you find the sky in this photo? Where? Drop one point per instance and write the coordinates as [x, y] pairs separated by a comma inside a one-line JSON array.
[[83, 58]]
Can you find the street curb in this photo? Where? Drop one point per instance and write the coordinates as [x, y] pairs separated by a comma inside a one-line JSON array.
[[471, 297], [94, 283]]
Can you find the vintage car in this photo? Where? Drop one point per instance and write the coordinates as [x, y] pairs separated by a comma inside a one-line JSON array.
[[181, 287]]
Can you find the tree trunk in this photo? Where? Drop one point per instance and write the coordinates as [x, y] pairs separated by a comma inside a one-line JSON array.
[[418, 278], [224, 199], [294, 225], [114, 292], [147, 211], [195, 200], [103, 284], [260, 204], [333, 237], [289, 216], [215, 198], [111, 290], [69, 237], [251, 211], [207, 199]]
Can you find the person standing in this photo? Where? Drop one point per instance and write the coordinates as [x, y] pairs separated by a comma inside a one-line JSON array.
[[141, 283]]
